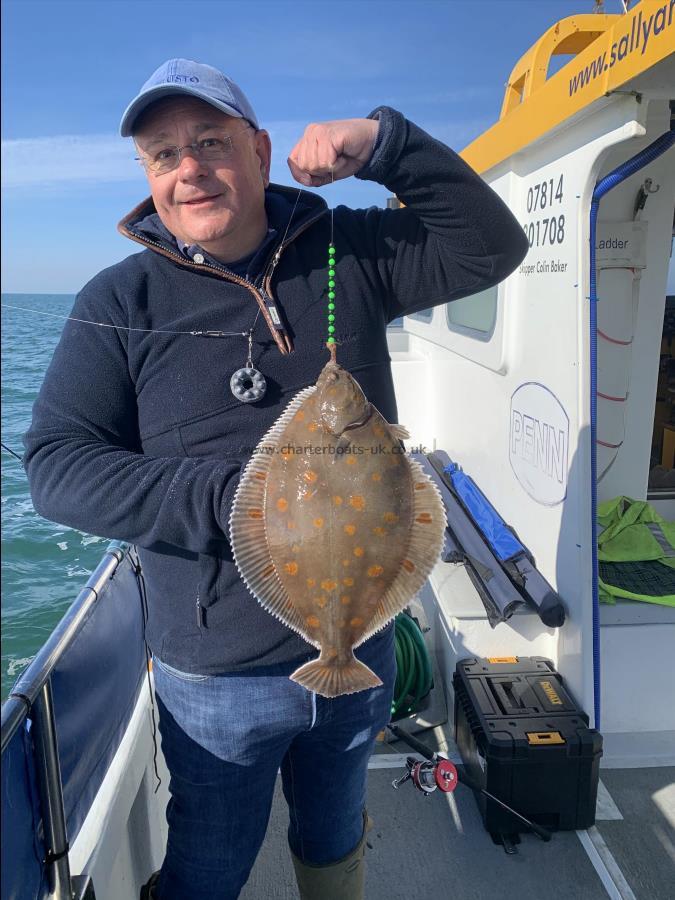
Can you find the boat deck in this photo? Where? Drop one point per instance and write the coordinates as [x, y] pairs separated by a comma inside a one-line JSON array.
[[423, 847]]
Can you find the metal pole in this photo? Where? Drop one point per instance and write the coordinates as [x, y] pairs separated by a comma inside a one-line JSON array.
[[51, 794]]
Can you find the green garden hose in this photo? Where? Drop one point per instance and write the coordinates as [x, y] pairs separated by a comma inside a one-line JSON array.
[[413, 675]]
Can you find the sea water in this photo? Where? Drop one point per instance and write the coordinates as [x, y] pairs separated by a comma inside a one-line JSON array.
[[44, 565]]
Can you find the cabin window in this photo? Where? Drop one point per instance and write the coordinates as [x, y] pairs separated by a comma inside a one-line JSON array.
[[422, 315], [477, 312]]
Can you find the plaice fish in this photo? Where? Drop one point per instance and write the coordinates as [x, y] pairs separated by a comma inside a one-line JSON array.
[[333, 528]]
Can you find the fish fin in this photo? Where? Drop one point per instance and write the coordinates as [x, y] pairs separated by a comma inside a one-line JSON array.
[[400, 432], [248, 537], [424, 548], [331, 679]]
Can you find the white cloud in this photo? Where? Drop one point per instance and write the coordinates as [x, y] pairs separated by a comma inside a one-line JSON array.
[[105, 158], [29, 162], [101, 158]]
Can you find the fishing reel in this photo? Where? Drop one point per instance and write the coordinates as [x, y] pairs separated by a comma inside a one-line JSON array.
[[435, 771], [428, 775]]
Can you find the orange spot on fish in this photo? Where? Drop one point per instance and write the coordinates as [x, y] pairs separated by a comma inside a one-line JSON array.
[[312, 621], [390, 518], [311, 582], [328, 585], [376, 476], [331, 654], [355, 622], [310, 476], [291, 568], [424, 518], [379, 531], [351, 460], [345, 600], [346, 562], [290, 525], [312, 426], [357, 501], [350, 529], [321, 601], [420, 486], [358, 551], [260, 476], [348, 582], [337, 500], [317, 523], [408, 566], [282, 504], [255, 513], [374, 571], [299, 416], [378, 431]]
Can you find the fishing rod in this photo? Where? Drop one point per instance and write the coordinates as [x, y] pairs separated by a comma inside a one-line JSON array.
[[439, 772]]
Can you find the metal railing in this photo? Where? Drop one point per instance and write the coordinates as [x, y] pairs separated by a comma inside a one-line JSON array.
[[31, 697]]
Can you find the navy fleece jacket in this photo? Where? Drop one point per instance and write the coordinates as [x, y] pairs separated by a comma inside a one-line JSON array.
[[135, 434]]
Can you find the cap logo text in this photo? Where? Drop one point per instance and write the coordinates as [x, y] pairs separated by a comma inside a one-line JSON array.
[[183, 79]]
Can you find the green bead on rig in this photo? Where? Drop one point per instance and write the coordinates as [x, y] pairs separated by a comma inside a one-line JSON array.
[[331, 296]]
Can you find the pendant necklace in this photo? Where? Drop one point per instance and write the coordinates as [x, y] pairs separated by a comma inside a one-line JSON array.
[[248, 384]]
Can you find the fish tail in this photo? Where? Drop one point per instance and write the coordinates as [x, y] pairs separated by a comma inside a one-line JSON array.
[[331, 678]]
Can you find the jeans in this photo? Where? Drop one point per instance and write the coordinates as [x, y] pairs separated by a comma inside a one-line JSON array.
[[225, 738]]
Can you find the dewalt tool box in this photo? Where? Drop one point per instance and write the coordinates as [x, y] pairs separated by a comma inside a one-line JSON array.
[[523, 739]]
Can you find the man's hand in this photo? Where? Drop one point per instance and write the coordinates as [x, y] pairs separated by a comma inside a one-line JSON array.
[[345, 145]]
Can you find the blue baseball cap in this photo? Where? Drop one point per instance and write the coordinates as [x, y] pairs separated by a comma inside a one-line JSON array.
[[184, 76]]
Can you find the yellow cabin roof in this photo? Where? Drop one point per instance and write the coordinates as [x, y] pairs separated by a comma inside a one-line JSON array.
[[610, 51]]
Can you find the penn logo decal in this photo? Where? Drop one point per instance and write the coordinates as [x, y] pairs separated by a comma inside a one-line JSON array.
[[539, 442]]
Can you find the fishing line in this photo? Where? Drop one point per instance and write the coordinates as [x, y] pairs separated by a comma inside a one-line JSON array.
[[39, 312], [138, 572], [5, 447]]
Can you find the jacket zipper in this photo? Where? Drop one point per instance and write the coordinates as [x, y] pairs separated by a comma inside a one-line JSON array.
[[261, 293]]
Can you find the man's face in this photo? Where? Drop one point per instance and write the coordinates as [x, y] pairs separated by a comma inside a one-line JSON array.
[[218, 204]]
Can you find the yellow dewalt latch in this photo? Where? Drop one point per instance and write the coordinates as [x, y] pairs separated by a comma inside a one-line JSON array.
[[544, 737], [502, 659]]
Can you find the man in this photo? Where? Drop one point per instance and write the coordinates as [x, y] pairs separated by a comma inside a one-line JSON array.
[[137, 435]]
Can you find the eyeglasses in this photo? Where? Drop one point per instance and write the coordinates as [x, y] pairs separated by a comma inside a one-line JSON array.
[[218, 145]]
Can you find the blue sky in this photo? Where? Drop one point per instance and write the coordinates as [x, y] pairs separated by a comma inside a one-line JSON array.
[[70, 68]]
